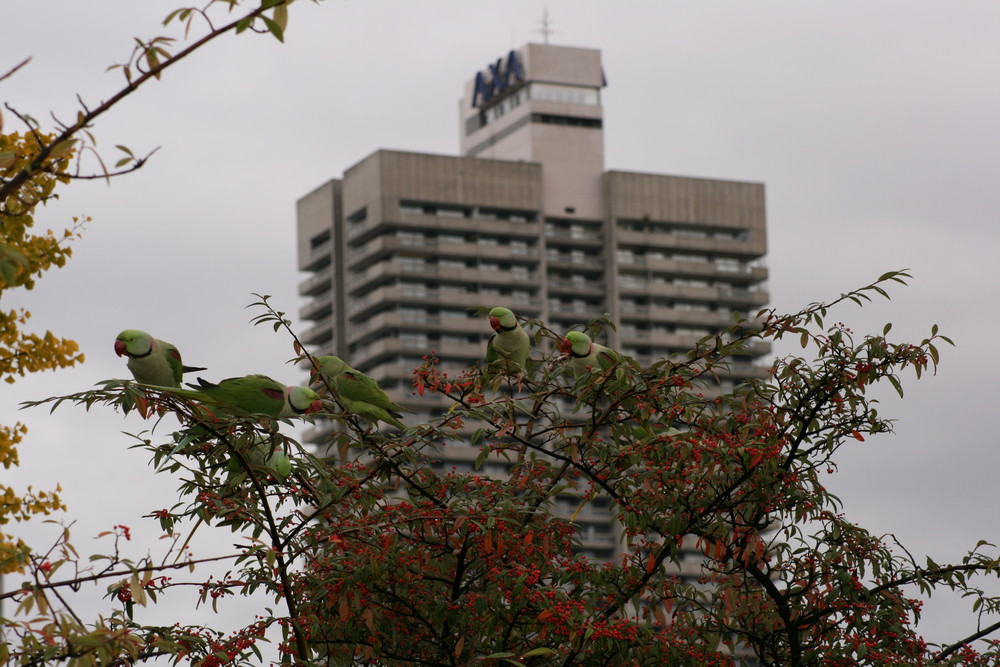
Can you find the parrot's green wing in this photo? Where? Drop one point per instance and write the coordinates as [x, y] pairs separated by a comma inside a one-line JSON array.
[[361, 395], [492, 354], [605, 357], [251, 394], [173, 359]]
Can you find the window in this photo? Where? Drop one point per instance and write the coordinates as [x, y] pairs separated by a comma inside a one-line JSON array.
[[414, 340], [320, 239], [691, 307], [728, 264], [692, 331], [550, 92], [688, 257], [413, 314], [408, 238], [413, 264], [451, 212], [413, 289]]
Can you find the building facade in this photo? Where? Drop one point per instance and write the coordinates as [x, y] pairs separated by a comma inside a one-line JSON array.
[[527, 217]]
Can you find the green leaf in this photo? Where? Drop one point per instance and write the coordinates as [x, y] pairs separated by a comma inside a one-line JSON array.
[[274, 28], [62, 148], [281, 16]]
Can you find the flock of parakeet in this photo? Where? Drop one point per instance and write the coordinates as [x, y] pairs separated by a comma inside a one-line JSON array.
[[157, 363], [511, 343]]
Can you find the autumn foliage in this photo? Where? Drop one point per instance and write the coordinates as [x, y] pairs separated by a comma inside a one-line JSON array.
[[374, 554], [24, 257], [34, 163]]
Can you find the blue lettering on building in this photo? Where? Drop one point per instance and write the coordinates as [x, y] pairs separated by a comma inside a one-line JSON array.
[[501, 76]]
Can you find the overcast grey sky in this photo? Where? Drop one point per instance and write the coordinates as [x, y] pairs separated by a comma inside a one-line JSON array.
[[873, 124]]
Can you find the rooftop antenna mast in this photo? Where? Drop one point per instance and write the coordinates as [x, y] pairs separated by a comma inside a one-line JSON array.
[[546, 29]]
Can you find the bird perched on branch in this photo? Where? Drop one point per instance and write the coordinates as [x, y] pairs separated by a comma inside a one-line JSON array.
[[510, 342], [356, 392], [585, 354], [254, 395], [151, 360]]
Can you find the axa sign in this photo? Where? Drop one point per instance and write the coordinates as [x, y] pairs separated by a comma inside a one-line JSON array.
[[501, 75]]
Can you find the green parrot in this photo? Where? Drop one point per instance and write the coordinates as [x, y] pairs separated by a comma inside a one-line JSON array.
[[151, 360], [255, 395], [510, 342], [584, 353], [357, 392]]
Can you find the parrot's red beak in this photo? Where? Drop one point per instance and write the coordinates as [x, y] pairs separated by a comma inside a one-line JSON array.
[[315, 406], [119, 347], [565, 347], [495, 323]]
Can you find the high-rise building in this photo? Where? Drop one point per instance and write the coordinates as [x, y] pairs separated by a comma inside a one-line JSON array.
[[527, 217]]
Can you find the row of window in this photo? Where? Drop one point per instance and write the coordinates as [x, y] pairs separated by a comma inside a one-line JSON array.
[[413, 207], [573, 230], [581, 306], [431, 239], [574, 256], [642, 256], [644, 281], [417, 341], [556, 227], [645, 330], [546, 92], [684, 230], [641, 306], [435, 264]]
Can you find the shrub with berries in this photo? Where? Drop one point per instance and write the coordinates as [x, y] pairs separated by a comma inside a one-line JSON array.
[[375, 555]]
